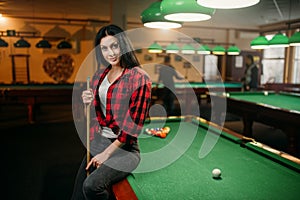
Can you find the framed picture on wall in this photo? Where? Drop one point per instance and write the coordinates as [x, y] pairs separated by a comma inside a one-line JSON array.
[[178, 58], [238, 61], [186, 65], [148, 57]]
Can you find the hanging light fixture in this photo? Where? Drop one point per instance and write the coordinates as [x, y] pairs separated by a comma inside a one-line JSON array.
[[219, 50], [185, 11], [203, 49], [21, 43], [172, 48], [188, 49], [227, 4], [155, 48], [64, 45], [279, 40], [43, 44], [3, 43], [260, 42], [295, 39], [153, 18], [233, 50]]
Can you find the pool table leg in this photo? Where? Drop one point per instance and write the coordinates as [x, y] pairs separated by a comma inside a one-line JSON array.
[[31, 113], [248, 123], [31, 107], [291, 133]]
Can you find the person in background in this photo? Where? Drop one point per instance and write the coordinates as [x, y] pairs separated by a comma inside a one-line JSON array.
[[167, 73], [250, 78], [120, 96]]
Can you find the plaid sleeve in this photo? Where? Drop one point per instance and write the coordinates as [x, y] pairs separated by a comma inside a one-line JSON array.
[[138, 109], [95, 109]]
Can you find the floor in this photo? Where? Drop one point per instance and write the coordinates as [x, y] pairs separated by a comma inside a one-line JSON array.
[[41, 159]]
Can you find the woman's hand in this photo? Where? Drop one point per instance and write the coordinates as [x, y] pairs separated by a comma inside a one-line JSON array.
[[100, 158], [97, 160], [87, 96]]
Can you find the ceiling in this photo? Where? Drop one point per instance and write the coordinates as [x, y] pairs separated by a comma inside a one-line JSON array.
[[265, 12]]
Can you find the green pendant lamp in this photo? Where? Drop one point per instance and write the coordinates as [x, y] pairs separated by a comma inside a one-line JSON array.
[[227, 4], [3, 43], [153, 18], [219, 50], [188, 49], [172, 48], [295, 39], [203, 49], [155, 48], [279, 40], [260, 42], [21, 43], [185, 11], [233, 50], [43, 44]]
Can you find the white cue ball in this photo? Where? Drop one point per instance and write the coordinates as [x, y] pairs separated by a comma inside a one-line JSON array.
[[216, 173], [265, 93]]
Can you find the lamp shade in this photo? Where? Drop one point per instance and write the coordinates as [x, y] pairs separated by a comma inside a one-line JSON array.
[[3, 43], [203, 49], [279, 40], [219, 50], [172, 48], [185, 10], [64, 45], [153, 18], [43, 44], [227, 4], [188, 49], [21, 43], [260, 42], [155, 48], [295, 39], [233, 50]]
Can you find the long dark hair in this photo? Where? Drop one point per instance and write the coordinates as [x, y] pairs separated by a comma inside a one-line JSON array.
[[128, 58]]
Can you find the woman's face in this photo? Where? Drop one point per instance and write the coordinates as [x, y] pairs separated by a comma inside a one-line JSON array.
[[110, 49]]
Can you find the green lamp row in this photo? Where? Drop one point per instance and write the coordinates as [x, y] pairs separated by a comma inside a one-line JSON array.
[[22, 43], [171, 13], [278, 40], [189, 49]]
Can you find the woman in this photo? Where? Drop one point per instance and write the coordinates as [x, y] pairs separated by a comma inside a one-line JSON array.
[[120, 95]]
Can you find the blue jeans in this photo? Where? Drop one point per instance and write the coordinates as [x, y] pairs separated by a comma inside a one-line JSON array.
[[97, 184]]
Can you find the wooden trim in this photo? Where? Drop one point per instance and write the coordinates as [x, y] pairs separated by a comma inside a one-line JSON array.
[[123, 191]]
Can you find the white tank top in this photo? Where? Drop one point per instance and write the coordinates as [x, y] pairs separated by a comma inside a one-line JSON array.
[[103, 88]]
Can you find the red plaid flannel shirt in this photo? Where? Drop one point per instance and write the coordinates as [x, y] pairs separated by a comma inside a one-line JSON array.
[[128, 100]]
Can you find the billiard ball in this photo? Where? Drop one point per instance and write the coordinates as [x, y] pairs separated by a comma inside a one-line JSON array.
[[216, 173], [265, 93]]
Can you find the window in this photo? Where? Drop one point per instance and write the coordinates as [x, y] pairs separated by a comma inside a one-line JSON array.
[[296, 72], [211, 72], [273, 65]]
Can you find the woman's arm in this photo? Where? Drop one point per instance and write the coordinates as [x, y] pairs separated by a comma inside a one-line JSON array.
[[100, 158]]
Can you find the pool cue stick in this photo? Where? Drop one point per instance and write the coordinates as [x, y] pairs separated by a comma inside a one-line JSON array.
[[87, 108]]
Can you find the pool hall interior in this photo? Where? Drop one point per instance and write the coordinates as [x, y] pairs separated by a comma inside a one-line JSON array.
[[46, 54]]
